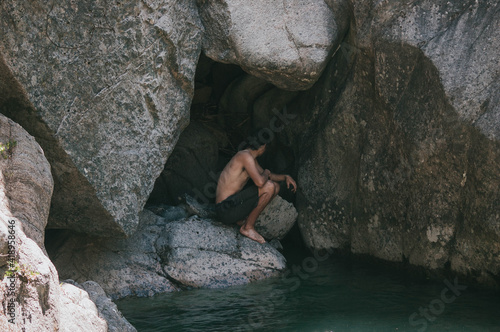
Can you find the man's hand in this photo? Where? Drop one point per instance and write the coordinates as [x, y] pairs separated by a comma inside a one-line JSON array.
[[266, 174], [290, 181]]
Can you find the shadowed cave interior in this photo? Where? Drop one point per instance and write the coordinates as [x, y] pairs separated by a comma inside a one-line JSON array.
[[228, 104]]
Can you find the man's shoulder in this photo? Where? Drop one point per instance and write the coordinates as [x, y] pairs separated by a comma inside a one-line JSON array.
[[241, 159], [242, 155]]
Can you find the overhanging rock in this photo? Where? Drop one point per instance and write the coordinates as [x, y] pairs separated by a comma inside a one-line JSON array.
[[105, 87], [287, 43]]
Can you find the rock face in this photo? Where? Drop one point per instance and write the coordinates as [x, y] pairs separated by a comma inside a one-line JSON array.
[[199, 253], [122, 267], [26, 184], [460, 38], [286, 43], [237, 101], [31, 295], [107, 309], [78, 312], [273, 223], [190, 168], [105, 87], [41, 304], [398, 142], [191, 252], [277, 219]]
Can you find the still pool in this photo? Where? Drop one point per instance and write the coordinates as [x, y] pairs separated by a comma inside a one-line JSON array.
[[336, 295]]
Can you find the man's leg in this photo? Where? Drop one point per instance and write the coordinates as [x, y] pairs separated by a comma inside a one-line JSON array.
[[268, 191]]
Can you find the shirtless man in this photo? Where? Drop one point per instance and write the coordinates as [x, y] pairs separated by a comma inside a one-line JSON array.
[[242, 206]]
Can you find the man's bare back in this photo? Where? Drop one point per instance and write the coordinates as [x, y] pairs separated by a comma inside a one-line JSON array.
[[242, 167], [233, 178]]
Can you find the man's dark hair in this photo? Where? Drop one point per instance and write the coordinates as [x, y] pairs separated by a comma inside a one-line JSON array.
[[256, 139]]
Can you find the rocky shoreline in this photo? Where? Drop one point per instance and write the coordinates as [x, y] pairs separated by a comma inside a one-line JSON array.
[[170, 251]]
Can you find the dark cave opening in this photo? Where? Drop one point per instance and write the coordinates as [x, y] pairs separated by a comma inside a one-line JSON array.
[[228, 104]]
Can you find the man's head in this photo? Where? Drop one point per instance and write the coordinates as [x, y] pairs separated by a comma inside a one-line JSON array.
[[256, 141]]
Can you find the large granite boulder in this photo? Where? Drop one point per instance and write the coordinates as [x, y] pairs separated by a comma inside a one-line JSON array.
[[122, 267], [398, 149], [192, 252], [26, 184], [461, 38], [78, 312], [106, 308], [277, 219], [40, 302], [200, 253], [105, 87], [287, 43], [33, 300], [274, 222]]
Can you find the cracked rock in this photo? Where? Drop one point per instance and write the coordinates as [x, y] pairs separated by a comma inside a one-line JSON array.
[[122, 267]]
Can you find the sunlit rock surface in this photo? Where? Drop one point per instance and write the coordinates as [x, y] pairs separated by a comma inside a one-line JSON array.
[[166, 255], [26, 183], [105, 87], [287, 43], [33, 298], [200, 253]]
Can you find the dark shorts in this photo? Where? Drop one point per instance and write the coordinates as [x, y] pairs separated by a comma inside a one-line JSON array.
[[238, 206]]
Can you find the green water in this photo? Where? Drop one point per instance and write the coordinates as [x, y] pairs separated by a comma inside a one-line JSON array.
[[335, 295]]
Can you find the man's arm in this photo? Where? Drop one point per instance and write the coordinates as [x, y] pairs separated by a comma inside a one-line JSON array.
[[264, 172], [277, 177], [254, 170], [281, 177]]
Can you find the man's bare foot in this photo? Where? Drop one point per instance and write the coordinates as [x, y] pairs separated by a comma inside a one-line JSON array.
[[241, 222], [252, 234]]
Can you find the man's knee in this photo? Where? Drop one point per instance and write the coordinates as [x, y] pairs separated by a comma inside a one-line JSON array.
[[269, 187], [276, 188]]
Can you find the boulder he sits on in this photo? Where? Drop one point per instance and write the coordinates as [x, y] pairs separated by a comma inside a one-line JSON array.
[[238, 204]]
